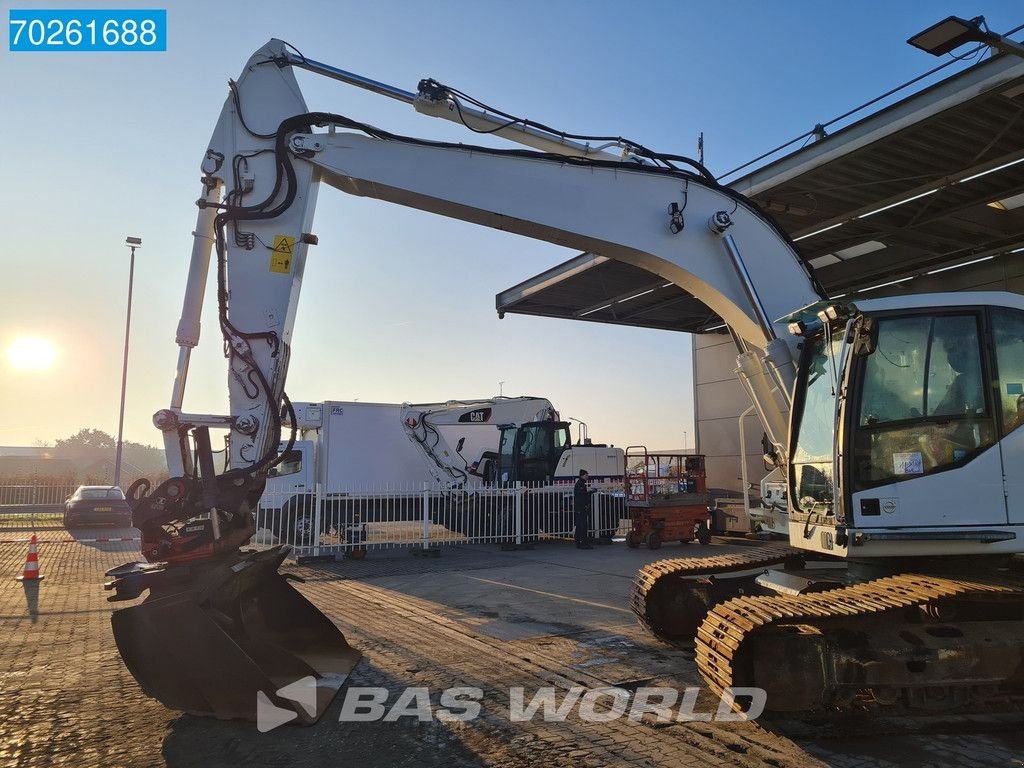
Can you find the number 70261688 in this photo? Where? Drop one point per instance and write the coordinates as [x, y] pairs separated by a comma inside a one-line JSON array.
[[87, 30]]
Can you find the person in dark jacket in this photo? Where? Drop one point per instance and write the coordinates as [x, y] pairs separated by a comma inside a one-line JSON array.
[[581, 506]]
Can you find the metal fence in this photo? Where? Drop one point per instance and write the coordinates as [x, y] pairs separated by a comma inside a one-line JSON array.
[[429, 516], [15, 497], [32, 507], [424, 516]]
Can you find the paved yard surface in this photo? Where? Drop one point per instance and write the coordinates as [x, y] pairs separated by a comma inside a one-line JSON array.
[[476, 616]]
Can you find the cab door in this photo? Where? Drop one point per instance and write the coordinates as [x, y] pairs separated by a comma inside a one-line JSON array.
[[507, 451], [924, 429], [1008, 388]]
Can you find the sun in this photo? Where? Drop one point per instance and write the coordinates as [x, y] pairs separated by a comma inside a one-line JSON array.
[[30, 353]]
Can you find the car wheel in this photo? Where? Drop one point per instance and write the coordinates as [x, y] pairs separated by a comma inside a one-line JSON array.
[[653, 540], [294, 524], [303, 529], [294, 528]]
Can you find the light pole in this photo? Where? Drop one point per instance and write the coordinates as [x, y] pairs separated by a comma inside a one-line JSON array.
[[952, 32], [501, 389], [132, 243]]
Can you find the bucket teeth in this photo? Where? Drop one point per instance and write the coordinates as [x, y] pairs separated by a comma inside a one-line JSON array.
[[225, 639]]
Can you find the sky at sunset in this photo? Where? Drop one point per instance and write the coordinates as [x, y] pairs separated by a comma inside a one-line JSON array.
[[397, 305]]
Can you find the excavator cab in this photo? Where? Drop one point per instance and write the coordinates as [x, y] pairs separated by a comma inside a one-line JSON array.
[[899, 412], [530, 452], [904, 420]]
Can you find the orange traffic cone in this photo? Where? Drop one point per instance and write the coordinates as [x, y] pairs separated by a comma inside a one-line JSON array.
[[31, 572]]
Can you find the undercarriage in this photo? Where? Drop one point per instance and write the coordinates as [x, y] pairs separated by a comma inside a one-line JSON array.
[[819, 636]]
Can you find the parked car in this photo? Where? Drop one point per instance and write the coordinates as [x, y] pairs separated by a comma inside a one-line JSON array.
[[97, 505]]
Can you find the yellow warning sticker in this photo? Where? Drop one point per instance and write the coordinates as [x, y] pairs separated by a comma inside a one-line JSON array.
[[282, 254]]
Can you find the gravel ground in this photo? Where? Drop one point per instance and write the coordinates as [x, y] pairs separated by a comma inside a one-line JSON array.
[[474, 617]]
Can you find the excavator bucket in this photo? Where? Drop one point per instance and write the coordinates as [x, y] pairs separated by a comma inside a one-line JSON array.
[[231, 639]]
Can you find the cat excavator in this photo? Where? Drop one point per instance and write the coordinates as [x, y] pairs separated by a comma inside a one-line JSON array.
[[911, 498], [534, 444]]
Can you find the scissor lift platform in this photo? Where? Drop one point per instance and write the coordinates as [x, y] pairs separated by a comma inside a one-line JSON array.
[[666, 497]]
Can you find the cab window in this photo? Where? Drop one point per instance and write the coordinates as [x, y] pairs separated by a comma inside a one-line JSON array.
[[535, 442], [923, 406], [507, 445], [1008, 335], [290, 464]]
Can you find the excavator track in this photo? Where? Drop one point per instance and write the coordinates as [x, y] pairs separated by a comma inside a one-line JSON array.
[[657, 586], [728, 639]]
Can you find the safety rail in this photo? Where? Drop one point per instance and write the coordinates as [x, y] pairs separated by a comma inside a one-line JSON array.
[[33, 507], [424, 516], [22, 497], [429, 516], [662, 474]]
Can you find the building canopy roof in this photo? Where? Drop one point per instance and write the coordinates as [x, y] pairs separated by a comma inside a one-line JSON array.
[[934, 181]]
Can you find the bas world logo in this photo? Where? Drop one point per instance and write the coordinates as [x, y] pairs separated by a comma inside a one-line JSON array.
[[462, 704], [269, 716]]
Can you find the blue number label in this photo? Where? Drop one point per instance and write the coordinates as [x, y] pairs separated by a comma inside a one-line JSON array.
[[87, 30]]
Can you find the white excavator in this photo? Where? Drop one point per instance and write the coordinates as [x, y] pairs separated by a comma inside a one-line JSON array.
[[449, 464], [896, 420], [535, 452]]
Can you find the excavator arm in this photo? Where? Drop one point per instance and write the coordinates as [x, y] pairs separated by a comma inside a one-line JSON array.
[[268, 154]]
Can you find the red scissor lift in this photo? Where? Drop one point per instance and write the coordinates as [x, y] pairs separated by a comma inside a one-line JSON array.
[[666, 496]]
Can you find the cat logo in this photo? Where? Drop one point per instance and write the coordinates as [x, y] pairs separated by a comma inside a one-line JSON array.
[[479, 416], [827, 541]]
